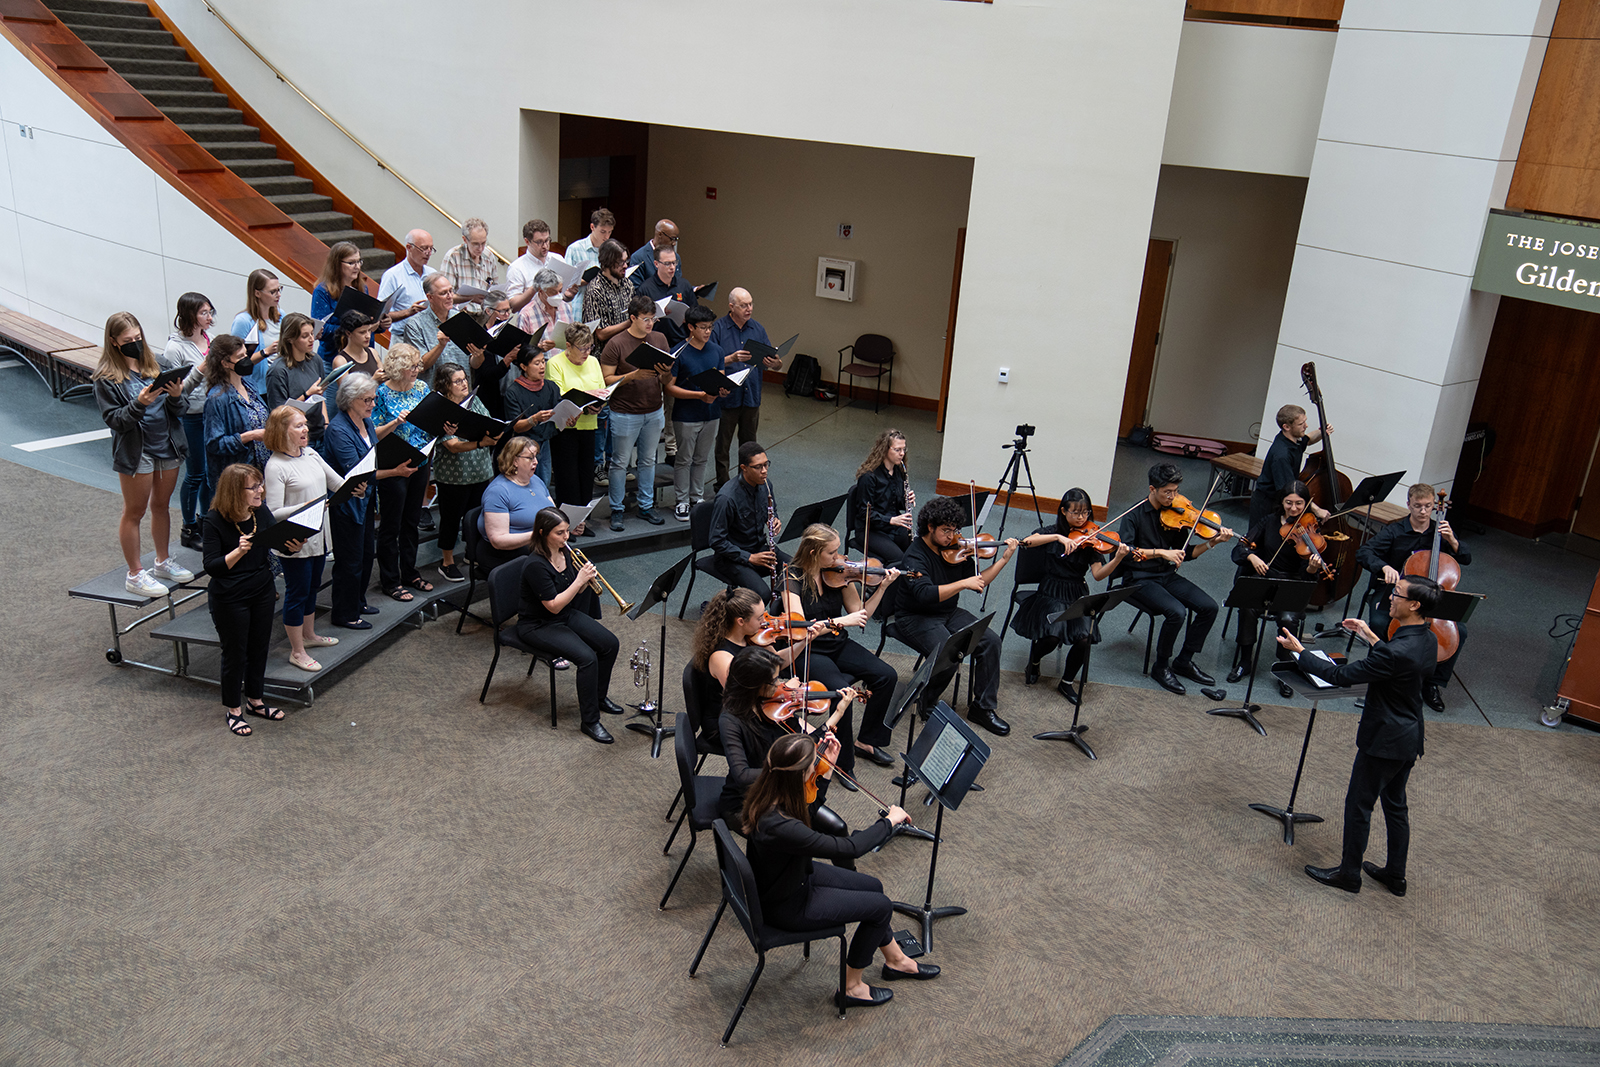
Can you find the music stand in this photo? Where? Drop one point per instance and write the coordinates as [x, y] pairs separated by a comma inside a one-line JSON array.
[[1267, 597], [1301, 683], [660, 590], [1094, 606], [951, 652], [908, 693], [947, 759], [1373, 488], [823, 511]]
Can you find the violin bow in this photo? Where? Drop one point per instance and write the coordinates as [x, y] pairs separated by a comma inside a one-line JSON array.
[[972, 505], [1215, 481]]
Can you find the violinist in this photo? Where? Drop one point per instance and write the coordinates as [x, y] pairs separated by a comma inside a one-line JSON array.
[[928, 607], [1161, 589], [744, 525], [796, 894], [748, 731], [1077, 554], [729, 621], [1385, 556], [1282, 463], [1270, 552], [883, 501], [817, 592]]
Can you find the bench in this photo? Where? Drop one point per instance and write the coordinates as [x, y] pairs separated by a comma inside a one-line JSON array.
[[62, 361], [1243, 469]]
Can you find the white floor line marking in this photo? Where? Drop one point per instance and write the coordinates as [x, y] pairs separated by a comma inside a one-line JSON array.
[[69, 439]]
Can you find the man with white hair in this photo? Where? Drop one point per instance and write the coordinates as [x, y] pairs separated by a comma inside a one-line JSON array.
[[471, 263], [741, 409], [405, 278], [547, 307], [422, 331]]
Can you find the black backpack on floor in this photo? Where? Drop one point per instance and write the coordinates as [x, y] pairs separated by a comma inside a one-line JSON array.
[[805, 374]]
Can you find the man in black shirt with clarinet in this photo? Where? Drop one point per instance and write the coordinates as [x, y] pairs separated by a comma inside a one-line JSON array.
[[928, 606], [745, 526], [1281, 465], [1385, 556], [1389, 737], [1153, 570]]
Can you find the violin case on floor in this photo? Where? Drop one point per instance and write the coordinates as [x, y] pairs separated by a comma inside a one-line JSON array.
[[1193, 447]]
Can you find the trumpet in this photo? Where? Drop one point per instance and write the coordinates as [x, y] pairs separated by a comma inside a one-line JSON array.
[[599, 584]]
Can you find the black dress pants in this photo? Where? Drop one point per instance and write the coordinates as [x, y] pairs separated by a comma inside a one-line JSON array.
[[843, 896], [399, 512], [889, 547], [589, 645], [355, 546], [742, 574], [1173, 597], [244, 628], [926, 633], [572, 466], [841, 666], [1373, 779]]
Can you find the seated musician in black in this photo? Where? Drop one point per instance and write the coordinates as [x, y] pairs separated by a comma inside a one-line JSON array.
[[1282, 463], [729, 621], [1071, 556], [1385, 555], [1266, 553], [744, 526], [928, 608], [882, 501], [796, 894], [1161, 590]]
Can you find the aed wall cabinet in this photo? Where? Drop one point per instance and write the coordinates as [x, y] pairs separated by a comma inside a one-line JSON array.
[[836, 278]]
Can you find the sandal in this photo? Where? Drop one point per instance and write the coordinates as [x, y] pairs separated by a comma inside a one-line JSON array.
[[261, 711], [399, 593], [421, 583], [237, 724]]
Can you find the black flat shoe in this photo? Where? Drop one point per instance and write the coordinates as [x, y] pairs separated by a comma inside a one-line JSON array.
[[1335, 877], [368, 609], [358, 624], [1030, 674], [652, 518], [1066, 690], [876, 755], [1237, 674], [847, 783], [597, 732], [190, 537], [1381, 875], [880, 995], [1194, 674], [923, 972], [611, 707], [1285, 690], [1168, 681], [989, 721]]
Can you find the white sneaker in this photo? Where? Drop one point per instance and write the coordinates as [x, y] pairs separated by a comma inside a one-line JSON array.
[[172, 569], [142, 584], [681, 511]]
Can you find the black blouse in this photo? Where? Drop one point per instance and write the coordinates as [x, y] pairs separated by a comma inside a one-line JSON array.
[[830, 605], [251, 574], [1283, 560], [540, 582], [882, 495], [781, 850]]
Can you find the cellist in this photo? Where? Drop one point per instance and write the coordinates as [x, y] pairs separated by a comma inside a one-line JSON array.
[[1282, 463], [1385, 556]]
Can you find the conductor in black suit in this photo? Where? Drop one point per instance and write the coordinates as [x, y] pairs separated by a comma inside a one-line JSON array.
[[1389, 738]]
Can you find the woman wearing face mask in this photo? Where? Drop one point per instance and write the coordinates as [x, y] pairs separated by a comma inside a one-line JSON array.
[[236, 418], [147, 445], [262, 292], [187, 345]]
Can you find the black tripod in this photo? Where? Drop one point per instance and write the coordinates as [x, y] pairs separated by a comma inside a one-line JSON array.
[[1267, 597], [1011, 477], [1092, 607]]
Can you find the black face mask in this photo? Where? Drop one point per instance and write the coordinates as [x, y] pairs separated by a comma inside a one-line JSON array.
[[242, 367], [132, 350]]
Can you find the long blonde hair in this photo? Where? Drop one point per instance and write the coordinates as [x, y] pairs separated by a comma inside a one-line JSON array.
[[807, 562], [113, 365]]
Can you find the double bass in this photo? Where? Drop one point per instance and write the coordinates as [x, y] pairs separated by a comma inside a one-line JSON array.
[[1329, 489]]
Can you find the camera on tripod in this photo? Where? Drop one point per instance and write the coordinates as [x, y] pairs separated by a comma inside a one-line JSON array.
[[1023, 433]]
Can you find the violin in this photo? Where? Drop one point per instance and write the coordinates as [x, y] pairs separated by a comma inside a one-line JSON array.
[[775, 626], [1097, 537], [984, 546], [795, 697], [821, 768], [1308, 541], [851, 570], [1181, 514]]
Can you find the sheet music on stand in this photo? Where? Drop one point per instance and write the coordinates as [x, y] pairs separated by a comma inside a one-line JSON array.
[[940, 764], [1318, 682]]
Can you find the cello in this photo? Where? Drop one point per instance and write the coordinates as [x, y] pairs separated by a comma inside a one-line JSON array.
[[1445, 569], [1329, 489]]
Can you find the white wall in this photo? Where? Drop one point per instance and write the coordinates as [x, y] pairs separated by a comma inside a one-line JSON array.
[[1062, 108], [1247, 97], [86, 229], [1235, 237], [1423, 117]]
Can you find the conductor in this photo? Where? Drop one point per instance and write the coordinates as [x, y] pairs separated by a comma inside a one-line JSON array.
[[1389, 737]]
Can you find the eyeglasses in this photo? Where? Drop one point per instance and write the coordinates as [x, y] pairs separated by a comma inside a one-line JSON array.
[[257, 488], [275, 290], [1395, 595], [759, 466]]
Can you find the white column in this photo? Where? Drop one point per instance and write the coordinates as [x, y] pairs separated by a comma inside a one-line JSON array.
[[1420, 128]]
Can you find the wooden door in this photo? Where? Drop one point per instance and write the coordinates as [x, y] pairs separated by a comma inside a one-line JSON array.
[[950, 329], [1146, 335]]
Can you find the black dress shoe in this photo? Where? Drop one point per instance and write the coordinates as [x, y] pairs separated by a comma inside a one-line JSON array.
[[876, 755], [190, 537], [598, 732], [847, 783], [1168, 681], [1285, 690], [1381, 875], [368, 609], [1066, 690], [358, 624], [1335, 877], [880, 995], [1193, 673], [989, 721], [1237, 674], [1432, 697], [611, 707], [923, 972], [1030, 674]]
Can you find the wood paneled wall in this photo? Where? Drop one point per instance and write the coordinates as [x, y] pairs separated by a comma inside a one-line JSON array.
[[1317, 10], [1558, 166]]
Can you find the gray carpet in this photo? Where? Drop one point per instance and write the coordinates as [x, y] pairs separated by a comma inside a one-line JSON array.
[[400, 875]]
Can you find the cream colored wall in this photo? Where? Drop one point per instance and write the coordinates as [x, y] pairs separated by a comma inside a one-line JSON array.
[[1235, 237], [778, 207]]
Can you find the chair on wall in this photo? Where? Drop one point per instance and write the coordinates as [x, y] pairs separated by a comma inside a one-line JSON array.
[[872, 356]]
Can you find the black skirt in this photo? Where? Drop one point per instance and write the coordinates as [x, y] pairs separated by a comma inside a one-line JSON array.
[[1055, 594]]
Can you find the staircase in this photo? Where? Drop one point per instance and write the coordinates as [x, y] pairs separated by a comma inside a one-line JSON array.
[[136, 45]]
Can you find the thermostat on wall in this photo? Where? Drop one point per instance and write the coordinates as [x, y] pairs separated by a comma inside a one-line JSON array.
[[836, 278]]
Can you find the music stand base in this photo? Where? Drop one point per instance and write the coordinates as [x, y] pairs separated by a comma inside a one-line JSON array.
[[1246, 713], [1288, 818], [657, 731], [905, 829], [1074, 735], [927, 915]]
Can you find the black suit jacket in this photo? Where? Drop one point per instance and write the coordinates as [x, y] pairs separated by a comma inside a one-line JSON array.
[[1394, 672]]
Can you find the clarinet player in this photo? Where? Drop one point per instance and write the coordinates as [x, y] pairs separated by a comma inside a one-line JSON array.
[[744, 526]]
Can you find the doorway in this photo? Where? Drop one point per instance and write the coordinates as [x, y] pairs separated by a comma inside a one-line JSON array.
[[1146, 335]]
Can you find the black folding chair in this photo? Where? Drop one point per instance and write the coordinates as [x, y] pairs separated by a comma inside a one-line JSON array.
[[697, 701], [700, 791], [739, 890], [505, 592], [1032, 565], [700, 541], [470, 540]]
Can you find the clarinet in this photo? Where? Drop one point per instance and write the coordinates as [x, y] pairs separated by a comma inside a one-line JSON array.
[[772, 541]]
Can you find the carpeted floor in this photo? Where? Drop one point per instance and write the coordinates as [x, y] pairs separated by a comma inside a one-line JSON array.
[[402, 876]]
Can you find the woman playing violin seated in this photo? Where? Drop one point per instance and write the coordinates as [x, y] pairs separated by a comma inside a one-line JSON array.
[[1272, 549], [727, 624], [796, 894], [1078, 547]]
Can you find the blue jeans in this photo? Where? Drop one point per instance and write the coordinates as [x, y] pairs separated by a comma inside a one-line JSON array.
[[626, 431], [301, 577], [602, 437], [194, 496]]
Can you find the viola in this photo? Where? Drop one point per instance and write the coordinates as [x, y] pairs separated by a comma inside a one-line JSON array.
[[984, 546], [1094, 535], [1181, 514], [794, 698], [819, 769]]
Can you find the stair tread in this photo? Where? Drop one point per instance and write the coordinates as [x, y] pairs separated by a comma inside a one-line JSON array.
[[280, 184]]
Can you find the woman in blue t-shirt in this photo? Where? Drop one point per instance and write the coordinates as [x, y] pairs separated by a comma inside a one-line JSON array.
[[510, 504]]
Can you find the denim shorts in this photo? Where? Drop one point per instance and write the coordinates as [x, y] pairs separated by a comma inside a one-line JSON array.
[[149, 464]]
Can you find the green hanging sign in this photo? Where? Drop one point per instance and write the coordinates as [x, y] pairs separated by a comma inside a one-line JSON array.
[[1553, 261]]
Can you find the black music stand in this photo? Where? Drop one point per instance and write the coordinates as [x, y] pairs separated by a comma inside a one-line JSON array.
[[1266, 597], [823, 511], [946, 758], [951, 652], [660, 590], [907, 694], [1315, 691], [1094, 607], [1373, 488]]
